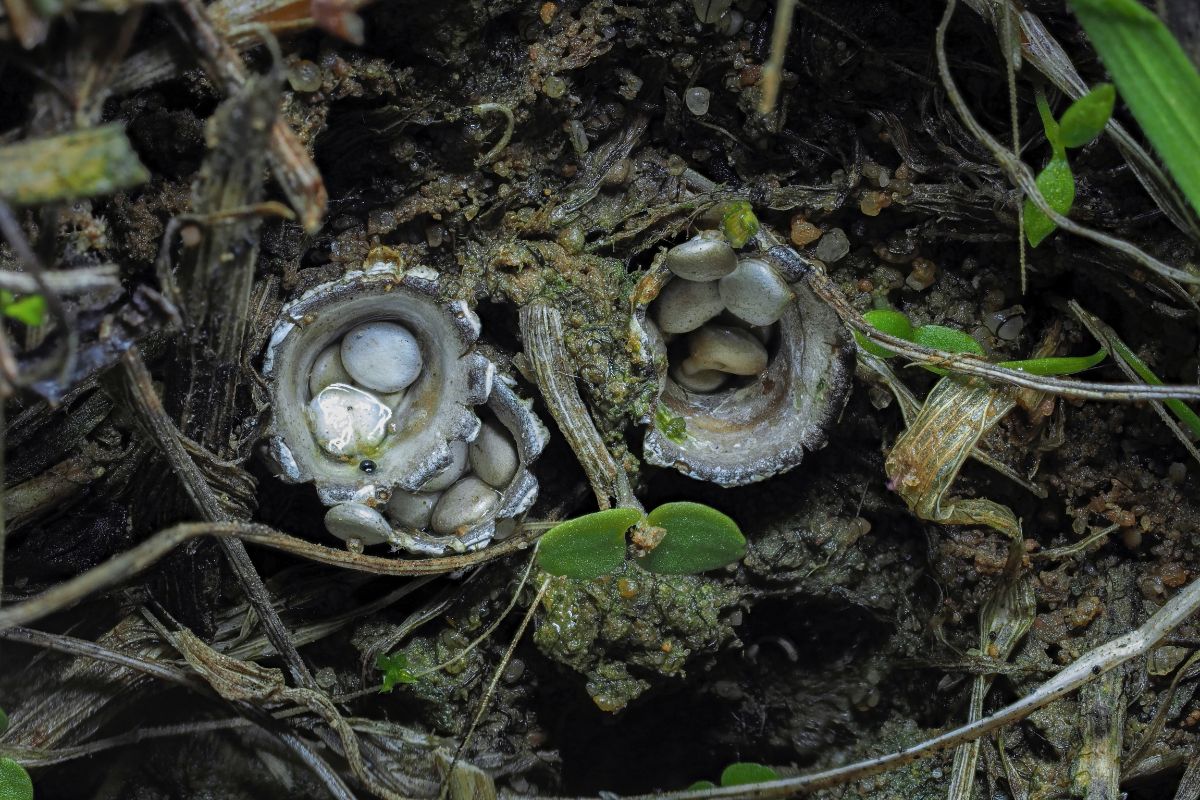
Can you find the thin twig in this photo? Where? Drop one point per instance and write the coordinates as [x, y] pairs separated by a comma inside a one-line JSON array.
[[485, 701], [63, 281], [142, 556]]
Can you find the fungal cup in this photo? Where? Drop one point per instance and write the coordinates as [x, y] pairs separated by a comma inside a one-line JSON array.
[[376, 392], [756, 376]]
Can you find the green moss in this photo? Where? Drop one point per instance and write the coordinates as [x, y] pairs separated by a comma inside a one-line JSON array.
[[615, 629]]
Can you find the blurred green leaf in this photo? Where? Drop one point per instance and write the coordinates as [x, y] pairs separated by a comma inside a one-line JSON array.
[[1057, 185], [1067, 365], [15, 783], [3, 721], [84, 163], [1085, 119], [31, 310], [745, 772], [698, 538], [589, 546], [700, 786], [395, 670], [894, 323], [1156, 80]]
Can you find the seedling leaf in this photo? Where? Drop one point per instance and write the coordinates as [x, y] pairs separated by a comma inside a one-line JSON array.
[[395, 670], [1057, 185], [589, 546], [1156, 79], [700, 786], [698, 538], [745, 772], [894, 323], [1085, 119], [940, 337], [31, 310], [1056, 366], [15, 783]]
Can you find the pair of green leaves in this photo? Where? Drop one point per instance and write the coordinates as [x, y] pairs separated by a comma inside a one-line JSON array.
[[1080, 123], [15, 783], [697, 539], [939, 337], [30, 309], [743, 773], [396, 670]]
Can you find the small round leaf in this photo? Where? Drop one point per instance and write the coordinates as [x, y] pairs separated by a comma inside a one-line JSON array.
[[15, 783], [1086, 117], [745, 772], [589, 546], [700, 786], [1057, 184], [698, 538]]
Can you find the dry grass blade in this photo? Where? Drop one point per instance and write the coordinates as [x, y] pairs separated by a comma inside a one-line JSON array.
[[928, 456]]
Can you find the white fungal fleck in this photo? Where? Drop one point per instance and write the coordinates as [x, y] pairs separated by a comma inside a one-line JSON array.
[[726, 349], [702, 258], [683, 306], [412, 509], [381, 356], [466, 503], [493, 455], [697, 99], [450, 473], [327, 370], [357, 521], [347, 421], [755, 292]]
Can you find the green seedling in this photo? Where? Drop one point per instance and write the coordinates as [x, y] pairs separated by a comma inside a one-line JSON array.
[[939, 337], [1156, 78], [743, 773], [1082, 122], [695, 539], [395, 670], [30, 309]]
